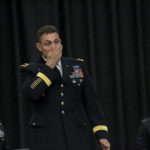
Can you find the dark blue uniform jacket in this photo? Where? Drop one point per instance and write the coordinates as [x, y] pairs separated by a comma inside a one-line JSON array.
[[58, 121]]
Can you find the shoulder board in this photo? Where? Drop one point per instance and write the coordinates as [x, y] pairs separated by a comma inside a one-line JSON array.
[[79, 59], [0, 124], [24, 65], [32, 66]]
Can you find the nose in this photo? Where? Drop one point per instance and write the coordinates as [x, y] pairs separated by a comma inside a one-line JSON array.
[[53, 45]]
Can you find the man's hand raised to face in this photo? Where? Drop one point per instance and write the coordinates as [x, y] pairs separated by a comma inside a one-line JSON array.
[[54, 56]]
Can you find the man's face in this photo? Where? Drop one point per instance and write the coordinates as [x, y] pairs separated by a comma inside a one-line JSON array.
[[49, 42]]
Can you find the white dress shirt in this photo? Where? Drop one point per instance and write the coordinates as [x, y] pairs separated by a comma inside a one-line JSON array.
[[59, 67]]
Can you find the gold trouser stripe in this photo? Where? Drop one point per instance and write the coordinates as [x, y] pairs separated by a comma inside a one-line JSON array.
[[44, 78], [35, 83], [100, 127]]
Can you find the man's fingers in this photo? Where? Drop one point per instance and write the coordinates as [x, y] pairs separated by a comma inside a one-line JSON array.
[[104, 144], [54, 56]]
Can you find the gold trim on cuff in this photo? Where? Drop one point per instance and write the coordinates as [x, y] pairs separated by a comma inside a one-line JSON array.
[[100, 127], [44, 78]]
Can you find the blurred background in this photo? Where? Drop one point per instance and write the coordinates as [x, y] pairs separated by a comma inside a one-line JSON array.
[[112, 36]]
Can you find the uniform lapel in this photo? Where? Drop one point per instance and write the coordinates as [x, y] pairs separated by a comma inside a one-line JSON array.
[[67, 69]]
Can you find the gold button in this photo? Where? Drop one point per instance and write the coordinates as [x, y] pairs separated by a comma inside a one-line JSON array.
[[62, 111], [62, 94], [61, 85], [33, 124], [62, 103]]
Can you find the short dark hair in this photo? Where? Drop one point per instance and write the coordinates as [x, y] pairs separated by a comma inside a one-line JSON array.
[[45, 30]]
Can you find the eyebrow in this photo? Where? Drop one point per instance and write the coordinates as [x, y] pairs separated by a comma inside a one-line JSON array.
[[51, 41], [48, 40]]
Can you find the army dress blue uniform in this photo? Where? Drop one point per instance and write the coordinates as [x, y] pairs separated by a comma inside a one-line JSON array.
[[58, 121]]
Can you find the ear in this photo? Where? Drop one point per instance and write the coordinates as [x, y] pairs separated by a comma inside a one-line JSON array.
[[38, 46]]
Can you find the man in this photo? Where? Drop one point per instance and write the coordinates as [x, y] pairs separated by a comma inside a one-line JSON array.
[[143, 136], [58, 88]]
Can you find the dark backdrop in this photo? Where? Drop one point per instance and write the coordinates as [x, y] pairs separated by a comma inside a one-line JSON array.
[[113, 36]]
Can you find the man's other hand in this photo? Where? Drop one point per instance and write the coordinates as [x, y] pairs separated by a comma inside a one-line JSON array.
[[105, 145]]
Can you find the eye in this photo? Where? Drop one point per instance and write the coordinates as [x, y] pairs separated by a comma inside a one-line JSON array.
[[57, 41], [47, 43]]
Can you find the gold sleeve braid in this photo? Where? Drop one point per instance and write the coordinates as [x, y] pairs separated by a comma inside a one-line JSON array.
[[99, 128], [44, 78]]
